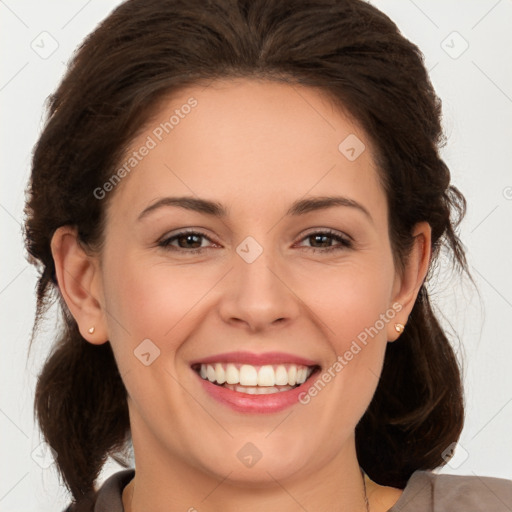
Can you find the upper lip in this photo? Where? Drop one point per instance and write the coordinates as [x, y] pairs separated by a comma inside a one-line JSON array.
[[255, 359]]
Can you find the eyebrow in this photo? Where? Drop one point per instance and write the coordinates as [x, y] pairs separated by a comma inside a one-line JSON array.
[[299, 207]]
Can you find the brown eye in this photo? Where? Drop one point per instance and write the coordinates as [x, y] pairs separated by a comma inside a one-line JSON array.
[[324, 240], [188, 241]]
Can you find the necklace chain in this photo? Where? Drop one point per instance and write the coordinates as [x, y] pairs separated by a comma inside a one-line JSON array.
[[366, 502]]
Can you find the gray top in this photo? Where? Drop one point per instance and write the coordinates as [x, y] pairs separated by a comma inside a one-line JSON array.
[[425, 492]]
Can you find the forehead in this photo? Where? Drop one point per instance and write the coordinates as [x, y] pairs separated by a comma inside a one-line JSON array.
[[257, 143]]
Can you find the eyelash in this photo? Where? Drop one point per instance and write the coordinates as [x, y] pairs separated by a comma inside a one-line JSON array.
[[345, 243]]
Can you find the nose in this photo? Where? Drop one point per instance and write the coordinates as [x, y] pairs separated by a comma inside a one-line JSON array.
[[258, 294]]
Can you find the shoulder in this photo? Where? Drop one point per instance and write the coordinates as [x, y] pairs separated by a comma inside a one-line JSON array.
[[431, 492], [109, 496]]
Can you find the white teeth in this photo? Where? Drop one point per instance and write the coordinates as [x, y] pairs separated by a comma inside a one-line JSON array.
[[232, 374], [281, 376], [267, 376], [251, 390], [210, 374], [220, 373], [292, 375], [248, 375]]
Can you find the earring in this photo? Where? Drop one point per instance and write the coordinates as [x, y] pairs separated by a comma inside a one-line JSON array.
[[91, 330], [399, 328]]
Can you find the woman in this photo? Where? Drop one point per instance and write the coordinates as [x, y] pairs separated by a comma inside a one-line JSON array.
[[251, 369]]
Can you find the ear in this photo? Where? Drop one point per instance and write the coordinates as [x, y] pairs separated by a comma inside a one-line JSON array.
[[407, 286], [79, 283]]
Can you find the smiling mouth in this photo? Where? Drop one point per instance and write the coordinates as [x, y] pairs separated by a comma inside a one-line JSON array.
[[256, 380]]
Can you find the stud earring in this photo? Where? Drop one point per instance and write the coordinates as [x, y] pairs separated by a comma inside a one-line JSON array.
[[91, 330], [399, 328]]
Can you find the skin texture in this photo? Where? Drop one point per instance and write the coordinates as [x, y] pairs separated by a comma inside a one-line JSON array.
[[255, 147]]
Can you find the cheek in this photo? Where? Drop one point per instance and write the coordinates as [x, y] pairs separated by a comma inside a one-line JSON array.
[[152, 301], [151, 311], [349, 299], [353, 306]]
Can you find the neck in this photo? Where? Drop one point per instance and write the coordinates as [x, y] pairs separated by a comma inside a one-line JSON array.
[[161, 485]]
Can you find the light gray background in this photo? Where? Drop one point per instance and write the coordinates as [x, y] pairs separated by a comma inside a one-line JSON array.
[[475, 85]]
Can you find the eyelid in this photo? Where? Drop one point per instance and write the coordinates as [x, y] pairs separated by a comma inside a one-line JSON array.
[[173, 235], [329, 231], [345, 240]]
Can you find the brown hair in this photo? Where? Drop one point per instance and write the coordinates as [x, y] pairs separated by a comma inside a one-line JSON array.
[[147, 49]]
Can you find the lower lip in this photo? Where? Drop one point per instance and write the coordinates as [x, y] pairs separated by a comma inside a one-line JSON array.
[[261, 404]]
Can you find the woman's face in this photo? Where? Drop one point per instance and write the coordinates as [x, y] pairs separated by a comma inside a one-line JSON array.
[[273, 274]]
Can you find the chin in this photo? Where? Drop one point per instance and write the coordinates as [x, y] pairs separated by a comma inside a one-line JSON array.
[[257, 463]]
